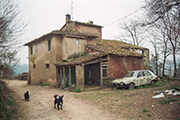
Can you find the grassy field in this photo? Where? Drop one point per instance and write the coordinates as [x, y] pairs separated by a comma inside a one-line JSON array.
[[138, 103]]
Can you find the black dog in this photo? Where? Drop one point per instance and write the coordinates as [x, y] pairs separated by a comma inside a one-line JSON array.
[[26, 95], [58, 101]]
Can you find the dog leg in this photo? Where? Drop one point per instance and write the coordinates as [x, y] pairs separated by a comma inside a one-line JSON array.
[[58, 106], [61, 106], [54, 104]]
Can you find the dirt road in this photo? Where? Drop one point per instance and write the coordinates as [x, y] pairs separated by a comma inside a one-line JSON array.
[[41, 104]]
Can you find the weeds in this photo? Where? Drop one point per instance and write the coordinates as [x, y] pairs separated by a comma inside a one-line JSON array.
[[9, 107], [149, 115], [175, 86], [145, 110], [167, 101], [43, 83], [78, 89]]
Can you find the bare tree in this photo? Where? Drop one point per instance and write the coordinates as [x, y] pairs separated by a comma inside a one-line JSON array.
[[132, 32], [154, 40], [166, 13], [11, 28]]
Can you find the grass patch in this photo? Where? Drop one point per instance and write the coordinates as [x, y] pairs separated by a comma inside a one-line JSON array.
[[145, 110], [8, 106], [167, 101], [149, 115], [78, 89], [175, 86], [43, 83]]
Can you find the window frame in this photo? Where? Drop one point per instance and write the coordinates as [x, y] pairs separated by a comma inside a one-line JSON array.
[[47, 66], [49, 44], [31, 49]]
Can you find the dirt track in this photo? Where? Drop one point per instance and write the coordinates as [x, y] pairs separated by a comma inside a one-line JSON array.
[[41, 104]]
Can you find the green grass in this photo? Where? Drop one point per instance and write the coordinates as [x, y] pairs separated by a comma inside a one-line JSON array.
[[145, 110], [78, 89], [167, 101], [8, 105], [149, 115], [43, 83]]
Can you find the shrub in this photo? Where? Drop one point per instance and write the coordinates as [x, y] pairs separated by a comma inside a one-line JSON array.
[[78, 89], [9, 107], [149, 115], [145, 110]]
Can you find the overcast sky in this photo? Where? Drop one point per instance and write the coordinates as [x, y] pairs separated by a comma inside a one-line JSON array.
[[44, 16]]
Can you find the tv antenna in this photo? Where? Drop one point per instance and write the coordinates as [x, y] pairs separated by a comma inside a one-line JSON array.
[[72, 9]]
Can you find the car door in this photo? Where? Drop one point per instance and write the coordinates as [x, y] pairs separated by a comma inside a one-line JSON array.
[[140, 78], [148, 76]]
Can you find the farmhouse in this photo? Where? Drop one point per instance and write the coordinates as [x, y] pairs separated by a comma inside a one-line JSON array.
[[76, 55]]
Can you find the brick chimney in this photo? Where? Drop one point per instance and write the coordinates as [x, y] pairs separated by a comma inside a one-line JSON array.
[[68, 17]]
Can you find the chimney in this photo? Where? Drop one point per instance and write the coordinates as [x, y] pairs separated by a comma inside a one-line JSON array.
[[68, 17]]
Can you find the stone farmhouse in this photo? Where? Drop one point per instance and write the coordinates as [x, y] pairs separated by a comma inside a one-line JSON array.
[[76, 55]]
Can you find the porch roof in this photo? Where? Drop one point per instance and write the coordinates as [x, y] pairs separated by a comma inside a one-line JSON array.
[[82, 59]]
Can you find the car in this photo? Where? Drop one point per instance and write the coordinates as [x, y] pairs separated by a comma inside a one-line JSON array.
[[136, 78]]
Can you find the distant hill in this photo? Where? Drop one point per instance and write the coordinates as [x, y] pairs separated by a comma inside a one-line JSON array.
[[20, 68]]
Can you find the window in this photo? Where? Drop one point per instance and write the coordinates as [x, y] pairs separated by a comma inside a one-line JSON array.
[[49, 45], [31, 50], [34, 65], [143, 52], [47, 65], [140, 74], [147, 73], [129, 74], [77, 42]]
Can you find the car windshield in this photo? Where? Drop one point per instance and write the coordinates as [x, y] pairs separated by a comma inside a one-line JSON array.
[[129, 74]]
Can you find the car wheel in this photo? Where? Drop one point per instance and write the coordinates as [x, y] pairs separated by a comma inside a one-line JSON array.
[[131, 86], [153, 82]]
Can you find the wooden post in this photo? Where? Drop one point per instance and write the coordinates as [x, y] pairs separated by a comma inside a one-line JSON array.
[[69, 81], [63, 78], [101, 72]]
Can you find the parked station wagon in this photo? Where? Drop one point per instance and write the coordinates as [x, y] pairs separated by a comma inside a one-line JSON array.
[[135, 78]]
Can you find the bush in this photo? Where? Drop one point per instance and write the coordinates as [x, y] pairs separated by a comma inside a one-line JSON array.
[[9, 107], [78, 89]]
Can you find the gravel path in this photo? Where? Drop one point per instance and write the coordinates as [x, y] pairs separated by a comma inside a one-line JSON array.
[[41, 104]]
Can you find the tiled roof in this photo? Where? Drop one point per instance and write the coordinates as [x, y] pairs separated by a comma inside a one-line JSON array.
[[88, 23], [73, 34], [116, 47], [81, 59]]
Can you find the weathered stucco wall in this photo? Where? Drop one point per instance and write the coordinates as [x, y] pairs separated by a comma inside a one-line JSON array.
[[83, 28], [71, 46], [118, 66], [41, 57], [89, 29]]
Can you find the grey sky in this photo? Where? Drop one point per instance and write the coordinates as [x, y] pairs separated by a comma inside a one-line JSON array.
[[44, 16]]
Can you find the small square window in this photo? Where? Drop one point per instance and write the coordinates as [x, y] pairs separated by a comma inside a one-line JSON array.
[[34, 65], [77, 42], [47, 65]]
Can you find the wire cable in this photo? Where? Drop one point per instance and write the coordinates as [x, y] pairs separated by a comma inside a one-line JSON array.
[[123, 17]]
